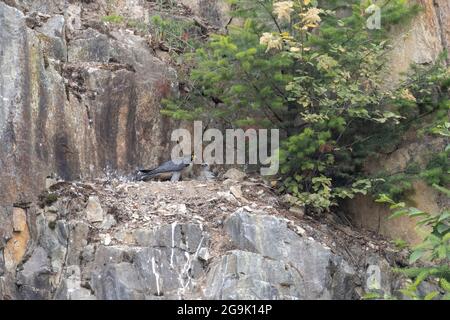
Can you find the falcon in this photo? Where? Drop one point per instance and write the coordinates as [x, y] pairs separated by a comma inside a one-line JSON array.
[[176, 168]]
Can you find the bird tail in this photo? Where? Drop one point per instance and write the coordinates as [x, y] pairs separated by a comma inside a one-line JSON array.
[[145, 175], [146, 171]]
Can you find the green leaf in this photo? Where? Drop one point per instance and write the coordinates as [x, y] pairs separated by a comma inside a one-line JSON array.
[[414, 212], [383, 198], [442, 228], [442, 252], [416, 255], [398, 205], [435, 240], [431, 295], [444, 216], [421, 277], [446, 237], [398, 214], [444, 284], [429, 220], [442, 189]]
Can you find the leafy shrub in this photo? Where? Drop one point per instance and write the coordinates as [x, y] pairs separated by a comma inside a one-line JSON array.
[[317, 76], [435, 249]]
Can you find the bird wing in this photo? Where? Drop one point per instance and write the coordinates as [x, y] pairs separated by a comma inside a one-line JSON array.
[[169, 166]]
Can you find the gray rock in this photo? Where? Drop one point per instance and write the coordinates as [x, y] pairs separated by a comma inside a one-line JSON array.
[[269, 236], [215, 12], [106, 239], [54, 240], [94, 210], [237, 193], [55, 45], [49, 182], [173, 262], [245, 275], [169, 272], [118, 282], [379, 276], [70, 287], [73, 18], [126, 236], [2, 264], [35, 280], [203, 254], [187, 237], [157, 269], [8, 288], [44, 6], [167, 261], [113, 255], [6, 227], [54, 27], [235, 175], [88, 253], [52, 209], [109, 222], [298, 211], [79, 232], [41, 273]]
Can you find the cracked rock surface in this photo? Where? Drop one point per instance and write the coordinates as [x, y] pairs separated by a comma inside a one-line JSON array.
[[79, 99], [163, 240]]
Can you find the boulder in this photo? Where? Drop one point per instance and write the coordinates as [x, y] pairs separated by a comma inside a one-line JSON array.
[[17, 245], [167, 260], [242, 275], [35, 279], [235, 175], [118, 282], [54, 239], [109, 222], [70, 287], [79, 233], [94, 210], [329, 276], [19, 219], [215, 12], [6, 227]]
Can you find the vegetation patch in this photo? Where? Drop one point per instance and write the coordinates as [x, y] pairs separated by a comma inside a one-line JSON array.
[[317, 75]]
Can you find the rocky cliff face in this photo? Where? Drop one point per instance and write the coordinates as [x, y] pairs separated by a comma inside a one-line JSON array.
[[192, 240], [79, 98], [420, 42]]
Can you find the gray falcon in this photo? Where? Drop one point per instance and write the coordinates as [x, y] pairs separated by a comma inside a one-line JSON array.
[[175, 167]]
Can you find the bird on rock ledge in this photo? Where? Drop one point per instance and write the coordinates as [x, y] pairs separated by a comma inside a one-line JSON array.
[[176, 168]]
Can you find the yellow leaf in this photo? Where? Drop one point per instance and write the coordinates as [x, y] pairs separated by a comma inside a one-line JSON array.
[[283, 10], [311, 17], [272, 41], [286, 35]]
